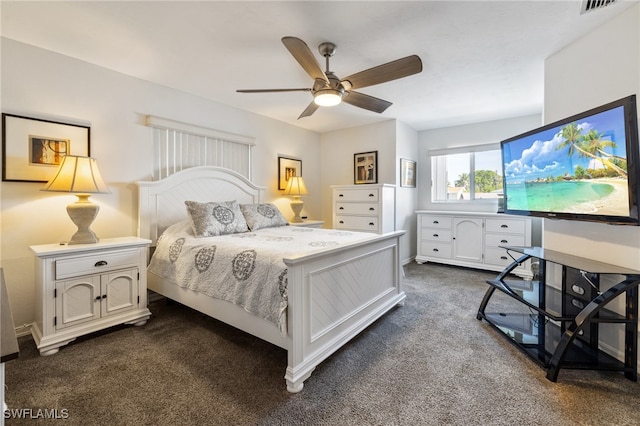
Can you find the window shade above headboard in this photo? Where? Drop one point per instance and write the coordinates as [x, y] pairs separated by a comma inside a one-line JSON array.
[[178, 146]]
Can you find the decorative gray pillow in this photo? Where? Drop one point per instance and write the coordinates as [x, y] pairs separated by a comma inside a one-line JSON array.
[[211, 219], [259, 216]]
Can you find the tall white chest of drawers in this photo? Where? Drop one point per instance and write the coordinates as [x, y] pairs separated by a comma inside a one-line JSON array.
[[472, 239], [369, 208]]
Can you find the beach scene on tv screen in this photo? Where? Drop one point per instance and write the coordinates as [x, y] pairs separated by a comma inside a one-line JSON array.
[[578, 167]]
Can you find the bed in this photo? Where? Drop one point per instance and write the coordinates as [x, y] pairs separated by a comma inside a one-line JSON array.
[[333, 292]]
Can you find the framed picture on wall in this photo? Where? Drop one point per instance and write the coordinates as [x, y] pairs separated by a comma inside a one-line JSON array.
[[33, 148], [288, 167], [407, 173], [365, 167]]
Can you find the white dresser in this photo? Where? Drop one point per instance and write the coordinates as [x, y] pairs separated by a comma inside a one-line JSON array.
[[88, 287], [370, 208], [472, 239]]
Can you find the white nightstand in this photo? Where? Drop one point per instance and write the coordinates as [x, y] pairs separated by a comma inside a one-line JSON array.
[[84, 288], [308, 223]]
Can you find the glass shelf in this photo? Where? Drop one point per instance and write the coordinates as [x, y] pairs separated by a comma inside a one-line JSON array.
[[557, 306], [561, 330], [540, 344]]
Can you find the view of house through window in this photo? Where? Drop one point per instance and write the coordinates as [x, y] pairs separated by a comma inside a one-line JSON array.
[[466, 175]]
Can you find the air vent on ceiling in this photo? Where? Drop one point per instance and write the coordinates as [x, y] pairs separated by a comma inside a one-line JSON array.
[[589, 5]]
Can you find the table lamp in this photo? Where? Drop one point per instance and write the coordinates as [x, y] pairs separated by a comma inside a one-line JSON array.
[[296, 188], [81, 176]]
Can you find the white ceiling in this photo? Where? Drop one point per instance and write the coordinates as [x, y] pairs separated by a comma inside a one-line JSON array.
[[482, 60]]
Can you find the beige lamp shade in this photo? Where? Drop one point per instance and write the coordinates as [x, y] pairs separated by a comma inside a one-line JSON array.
[[79, 175], [296, 188]]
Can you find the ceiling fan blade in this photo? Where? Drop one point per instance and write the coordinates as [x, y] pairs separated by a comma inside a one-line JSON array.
[[305, 58], [309, 110], [386, 72], [271, 90], [365, 101]]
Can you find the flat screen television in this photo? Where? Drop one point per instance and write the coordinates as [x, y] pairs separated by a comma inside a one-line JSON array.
[[584, 167]]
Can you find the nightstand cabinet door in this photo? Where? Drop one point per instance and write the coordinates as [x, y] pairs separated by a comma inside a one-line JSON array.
[[76, 301], [119, 291], [88, 287]]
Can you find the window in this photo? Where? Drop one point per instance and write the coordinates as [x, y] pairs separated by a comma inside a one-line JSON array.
[[466, 174]]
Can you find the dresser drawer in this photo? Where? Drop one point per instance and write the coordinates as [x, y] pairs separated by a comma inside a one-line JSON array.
[[495, 240], [359, 223], [96, 263], [443, 235], [510, 226], [436, 249], [357, 195], [357, 208], [497, 256], [431, 221]]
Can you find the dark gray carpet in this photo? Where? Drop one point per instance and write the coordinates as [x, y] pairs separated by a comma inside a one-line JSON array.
[[429, 362]]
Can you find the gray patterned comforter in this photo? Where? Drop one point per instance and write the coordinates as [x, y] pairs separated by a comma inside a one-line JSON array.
[[245, 268]]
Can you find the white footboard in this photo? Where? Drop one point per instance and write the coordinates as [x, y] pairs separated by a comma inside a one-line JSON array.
[[334, 295]]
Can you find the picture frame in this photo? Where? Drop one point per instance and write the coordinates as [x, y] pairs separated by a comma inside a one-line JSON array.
[[407, 173], [32, 148], [365, 167], [288, 167]]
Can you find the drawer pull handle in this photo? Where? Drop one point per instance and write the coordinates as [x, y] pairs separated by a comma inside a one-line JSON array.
[[340, 195], [371, 195], [341, 221], [341, 208], [436, 235], [101, 263], [436, 222], [504, 226], [504, 241], [503, 257], [371, 209], [435, 249], [371, 224]]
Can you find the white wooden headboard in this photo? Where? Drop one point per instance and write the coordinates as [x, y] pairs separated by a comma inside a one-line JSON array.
[[161, 203]]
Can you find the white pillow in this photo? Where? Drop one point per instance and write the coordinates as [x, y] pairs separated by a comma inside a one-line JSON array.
[[211, 219], [259, 216]]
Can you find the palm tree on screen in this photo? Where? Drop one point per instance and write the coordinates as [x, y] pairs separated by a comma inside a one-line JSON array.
[[588, 146]]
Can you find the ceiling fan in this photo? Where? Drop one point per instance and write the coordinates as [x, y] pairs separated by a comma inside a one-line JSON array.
[[329, 90]]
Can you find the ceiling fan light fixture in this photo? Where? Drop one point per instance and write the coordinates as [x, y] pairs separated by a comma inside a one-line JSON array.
[[327, 97]]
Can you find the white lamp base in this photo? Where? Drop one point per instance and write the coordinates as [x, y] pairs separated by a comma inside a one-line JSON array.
[[83, 212], [296, 206]]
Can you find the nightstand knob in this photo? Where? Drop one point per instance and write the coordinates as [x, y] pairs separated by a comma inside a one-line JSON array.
[[101, 263]]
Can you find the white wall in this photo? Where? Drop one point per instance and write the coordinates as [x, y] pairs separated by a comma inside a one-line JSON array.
[[407, 198], [42, 84], [393, 141], [337, 152], [601, 67]]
